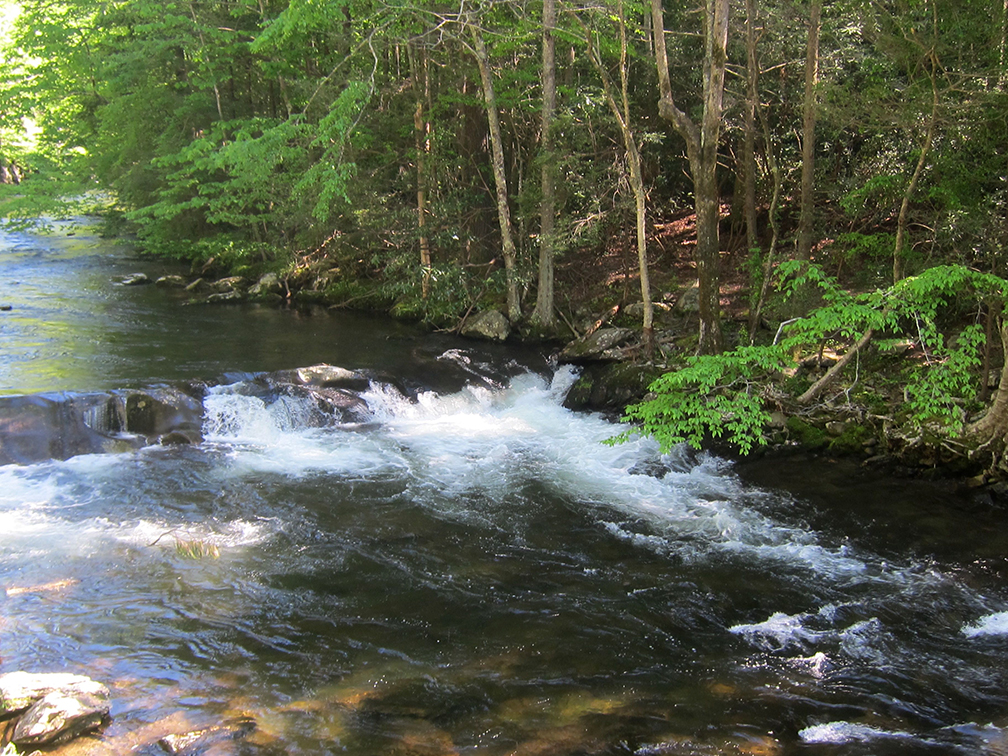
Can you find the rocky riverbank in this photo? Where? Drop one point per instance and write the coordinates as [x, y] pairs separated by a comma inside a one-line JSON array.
[[616, 372]]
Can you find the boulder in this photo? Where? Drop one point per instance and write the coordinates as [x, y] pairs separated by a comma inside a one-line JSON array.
[[269, 283], [19, 690], [490, 325], [225, 297], [62, 715], [600, 346], [135, 279], [324, 376]]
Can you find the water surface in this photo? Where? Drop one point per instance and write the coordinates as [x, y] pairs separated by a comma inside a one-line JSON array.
[[464, 567]]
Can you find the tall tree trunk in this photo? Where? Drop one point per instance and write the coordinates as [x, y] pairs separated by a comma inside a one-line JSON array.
[[702, 151], [500, 177], [543, 314], [420, 75], [810, 106], [621, 111], [904, 213], [749, 143]]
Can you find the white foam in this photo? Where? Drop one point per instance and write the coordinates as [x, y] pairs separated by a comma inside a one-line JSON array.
[[992, 624], [779, 630], [837, 733]]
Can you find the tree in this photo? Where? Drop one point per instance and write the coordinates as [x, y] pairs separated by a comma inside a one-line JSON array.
[[810, 108], [543, 313], [621, 112], [500, 176], [702, 152]]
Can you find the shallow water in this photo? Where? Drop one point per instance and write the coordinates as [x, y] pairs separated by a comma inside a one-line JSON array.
[[464, 566]]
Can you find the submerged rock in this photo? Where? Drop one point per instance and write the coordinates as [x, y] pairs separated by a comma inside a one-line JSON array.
[[490, 325], [171, 282], [198, 741], [135, 279]]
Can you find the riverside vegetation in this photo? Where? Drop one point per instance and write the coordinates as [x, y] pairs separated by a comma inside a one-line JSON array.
[[567, 165]]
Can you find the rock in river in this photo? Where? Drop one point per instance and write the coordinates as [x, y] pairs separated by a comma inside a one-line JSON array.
[[19, 690], [490, 325], [61, 715]]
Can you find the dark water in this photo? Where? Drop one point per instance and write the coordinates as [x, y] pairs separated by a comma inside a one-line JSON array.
[[467, 568]]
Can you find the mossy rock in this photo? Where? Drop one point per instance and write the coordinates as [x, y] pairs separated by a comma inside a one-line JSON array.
[[851, 440], [611, 387], [807, 435]]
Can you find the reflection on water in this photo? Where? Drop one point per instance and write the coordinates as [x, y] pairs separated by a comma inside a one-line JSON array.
[[467, 569], [73, 327]]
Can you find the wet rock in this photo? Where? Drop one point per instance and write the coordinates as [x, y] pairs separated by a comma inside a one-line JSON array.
[[55, 426], [162, 412], [490, 325], [171, 282], [197, 741], [135, 279], [324, 376], [19, 690], [610, 387], [6, 308], [231, 283], [225, 297], [599, 346], [62, 715]]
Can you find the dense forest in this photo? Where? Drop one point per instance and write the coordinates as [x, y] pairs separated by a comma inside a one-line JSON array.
[[835, 170]]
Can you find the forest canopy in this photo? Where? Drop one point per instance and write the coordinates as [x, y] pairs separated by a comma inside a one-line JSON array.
[[436, 159]]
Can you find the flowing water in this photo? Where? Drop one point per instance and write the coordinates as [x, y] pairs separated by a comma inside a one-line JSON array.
[[463, 566]]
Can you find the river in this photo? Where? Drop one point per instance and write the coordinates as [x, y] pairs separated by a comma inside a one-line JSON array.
[[465, 567]]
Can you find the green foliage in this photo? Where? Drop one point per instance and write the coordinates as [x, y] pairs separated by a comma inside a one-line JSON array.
[[721, 396], [712, 396]]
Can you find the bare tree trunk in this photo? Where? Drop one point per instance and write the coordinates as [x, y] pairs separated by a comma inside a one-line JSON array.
[[904, 213], [621, 111], [702, 150], [421, 129], [810, 106], [749, 144], [775, 172], [500, 177], [543, 313]]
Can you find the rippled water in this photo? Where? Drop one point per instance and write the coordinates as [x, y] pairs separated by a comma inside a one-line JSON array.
[[464, 567]]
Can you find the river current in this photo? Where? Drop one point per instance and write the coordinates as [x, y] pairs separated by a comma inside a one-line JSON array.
[[464, 566]]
